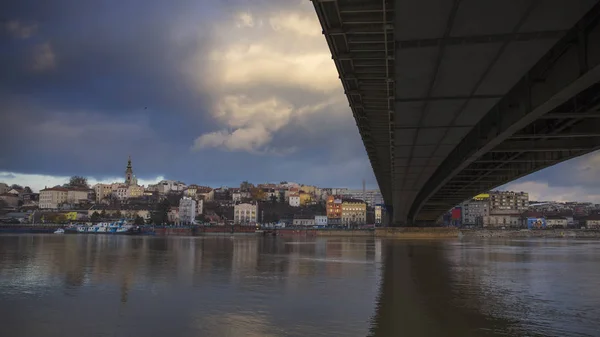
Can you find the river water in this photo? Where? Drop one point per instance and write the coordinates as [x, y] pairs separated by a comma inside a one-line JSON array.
[[86, 285]]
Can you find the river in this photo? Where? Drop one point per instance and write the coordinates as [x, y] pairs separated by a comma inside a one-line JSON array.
[[102, 285]]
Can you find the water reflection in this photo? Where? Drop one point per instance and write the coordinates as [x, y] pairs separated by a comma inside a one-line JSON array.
[[76, 285], [489, 288]]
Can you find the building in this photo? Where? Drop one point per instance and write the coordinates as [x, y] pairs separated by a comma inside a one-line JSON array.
[[592, 222], [354, 212], [334, 210], [52, 198], [4, 188], [505, 208], [166, 186], [120, 191], [10, 199], [173, 215], [371, 197], [187, 210], [77, 195], [506, 202], [205, 192], [294, 200], [135, 191], [304, 220], [320, 220], [502, 220], [245, 214], [556, 221], [305, 198], [475, 211], [102, 191], [30, 199], [199, 206]]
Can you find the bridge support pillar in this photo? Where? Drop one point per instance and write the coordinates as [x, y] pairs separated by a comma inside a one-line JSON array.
[[388, 219]]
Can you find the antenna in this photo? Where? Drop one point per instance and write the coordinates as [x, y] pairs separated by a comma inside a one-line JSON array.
[[364, 191]]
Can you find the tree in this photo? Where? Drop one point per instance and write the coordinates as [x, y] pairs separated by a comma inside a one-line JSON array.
[[273, 198], [160, 213], [139, 221], [78, 181], [16, 187], [257, 193], [117, 214], [103, 214], [28, 190], [95, 217]]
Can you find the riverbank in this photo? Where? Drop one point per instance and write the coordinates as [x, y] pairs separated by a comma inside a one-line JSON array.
[[525, 233], [392, 233]]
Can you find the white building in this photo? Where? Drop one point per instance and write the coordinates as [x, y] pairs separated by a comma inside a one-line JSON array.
[[304, 221], [236, 196], [294, 200], [120, 191], [51, 198], [371, 197], [321, 220], [75, 195], [166, 186], [245, 214], [187, 210], [200, 206]]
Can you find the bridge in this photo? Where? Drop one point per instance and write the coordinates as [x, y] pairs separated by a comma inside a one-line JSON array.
[[453, 98]]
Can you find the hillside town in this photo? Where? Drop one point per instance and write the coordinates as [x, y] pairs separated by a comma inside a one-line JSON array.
[[176, 203]]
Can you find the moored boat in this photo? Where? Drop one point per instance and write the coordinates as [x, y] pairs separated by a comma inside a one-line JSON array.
[[59, 231]]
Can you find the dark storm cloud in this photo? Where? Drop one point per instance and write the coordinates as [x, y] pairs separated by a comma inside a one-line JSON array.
[[112, 83]]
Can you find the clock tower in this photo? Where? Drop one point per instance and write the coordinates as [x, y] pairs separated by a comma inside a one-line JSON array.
[[129, 173]]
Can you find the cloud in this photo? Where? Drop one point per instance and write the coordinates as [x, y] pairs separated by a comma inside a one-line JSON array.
[[39, 181], [20, 30], [573, 180], [230, 80], [542, 191], [43, 57], [265, 77]]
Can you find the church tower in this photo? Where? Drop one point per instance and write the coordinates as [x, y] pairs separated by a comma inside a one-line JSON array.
[[129, 173]]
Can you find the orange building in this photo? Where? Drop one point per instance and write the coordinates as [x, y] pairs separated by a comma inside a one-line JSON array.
[[334, 207]]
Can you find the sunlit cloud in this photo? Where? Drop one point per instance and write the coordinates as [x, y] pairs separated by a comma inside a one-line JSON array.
[[257, 72]]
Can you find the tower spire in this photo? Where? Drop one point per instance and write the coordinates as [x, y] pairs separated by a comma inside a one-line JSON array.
[[128, 172]]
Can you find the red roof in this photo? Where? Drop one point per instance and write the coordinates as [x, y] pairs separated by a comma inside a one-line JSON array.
[[55, 189]]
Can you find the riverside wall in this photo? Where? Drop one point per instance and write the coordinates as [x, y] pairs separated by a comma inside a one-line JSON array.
[[525, 233]]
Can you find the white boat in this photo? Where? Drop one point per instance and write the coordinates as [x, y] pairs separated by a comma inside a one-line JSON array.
[[59, 231]]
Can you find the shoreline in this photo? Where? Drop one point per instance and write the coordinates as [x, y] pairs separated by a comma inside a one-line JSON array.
[[387, 232]]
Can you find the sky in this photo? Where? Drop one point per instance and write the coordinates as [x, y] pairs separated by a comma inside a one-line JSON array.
[[206, 92]]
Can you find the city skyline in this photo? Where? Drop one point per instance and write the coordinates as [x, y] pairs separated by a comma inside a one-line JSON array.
[[206, 92]]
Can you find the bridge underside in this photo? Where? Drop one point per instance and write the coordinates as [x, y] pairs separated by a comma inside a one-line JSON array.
[[453, 98]]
